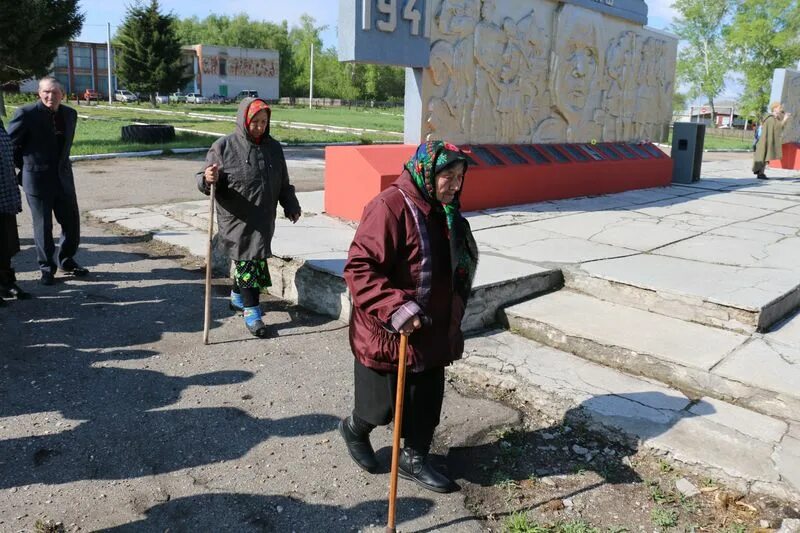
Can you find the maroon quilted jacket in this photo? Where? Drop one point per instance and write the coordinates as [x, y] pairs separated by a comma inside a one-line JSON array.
[[398, 266]]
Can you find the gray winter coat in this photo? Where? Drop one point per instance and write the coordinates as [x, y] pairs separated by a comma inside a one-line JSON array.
[[252, 181]]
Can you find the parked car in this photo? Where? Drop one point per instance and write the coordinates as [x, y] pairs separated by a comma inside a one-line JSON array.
[[123, 95], [91, 94], [195, 98], [177, 97], [162, 99], [246, 94], [218, 99]]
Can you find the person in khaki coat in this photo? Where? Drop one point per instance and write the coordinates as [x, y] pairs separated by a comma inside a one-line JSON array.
[[249, 169], [770, 142]]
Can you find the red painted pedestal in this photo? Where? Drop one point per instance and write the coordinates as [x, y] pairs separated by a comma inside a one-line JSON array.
[[790, 159], [500, 175]]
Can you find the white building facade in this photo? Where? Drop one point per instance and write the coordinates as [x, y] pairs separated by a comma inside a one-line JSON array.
[[227, 70]]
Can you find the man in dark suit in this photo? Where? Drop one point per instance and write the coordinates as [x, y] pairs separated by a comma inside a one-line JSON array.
[[42, 136]]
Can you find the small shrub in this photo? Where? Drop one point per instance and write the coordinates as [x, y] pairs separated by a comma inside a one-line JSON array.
[[664, 517]]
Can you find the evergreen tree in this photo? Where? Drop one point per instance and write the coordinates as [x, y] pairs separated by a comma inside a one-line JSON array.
[[30, 33], [763, 37], [148, 53]]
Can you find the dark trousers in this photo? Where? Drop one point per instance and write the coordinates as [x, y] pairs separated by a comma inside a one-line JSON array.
[[250, 296], [422, 403], [9, 246], [65, 209]]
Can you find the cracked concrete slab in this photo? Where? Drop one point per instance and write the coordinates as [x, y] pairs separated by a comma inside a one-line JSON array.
[[595, 325], [746, 288], [528, 243], [733, 443], [768, 365]]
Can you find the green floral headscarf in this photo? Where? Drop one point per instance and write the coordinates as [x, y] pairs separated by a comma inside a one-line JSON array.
[[431, 158]]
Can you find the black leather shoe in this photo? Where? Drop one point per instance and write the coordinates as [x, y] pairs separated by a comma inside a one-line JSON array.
[[416, 467], [47, 278], [358, 446], [71, 267], [762, 176], [258, 329], [14, 291]]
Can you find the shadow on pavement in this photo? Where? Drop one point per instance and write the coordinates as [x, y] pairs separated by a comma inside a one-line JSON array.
[[246, 512], [63, 352]]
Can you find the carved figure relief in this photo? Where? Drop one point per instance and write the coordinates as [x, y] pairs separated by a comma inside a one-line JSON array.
[[568, 76], [619, 99], [575, 76], [791, 103], [457, 19], [443, 118]]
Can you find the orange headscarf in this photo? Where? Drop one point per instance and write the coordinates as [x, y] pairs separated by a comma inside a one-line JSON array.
[[253, 109]]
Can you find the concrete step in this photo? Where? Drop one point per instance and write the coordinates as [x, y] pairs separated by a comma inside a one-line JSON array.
[[752, 451], [697, 359], [739, 299], [316, 283]]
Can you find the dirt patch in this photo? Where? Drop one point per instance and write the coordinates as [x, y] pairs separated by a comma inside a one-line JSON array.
[[549, 476]]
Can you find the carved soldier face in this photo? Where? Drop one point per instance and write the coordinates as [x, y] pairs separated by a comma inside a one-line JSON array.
[[579, 69]]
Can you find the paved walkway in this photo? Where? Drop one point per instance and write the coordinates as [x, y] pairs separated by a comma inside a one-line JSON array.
[[690, 290]]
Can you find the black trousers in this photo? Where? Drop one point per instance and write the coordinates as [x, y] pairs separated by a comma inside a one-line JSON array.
[[65, 208], [422, 403], [759, 167], [9, 246]]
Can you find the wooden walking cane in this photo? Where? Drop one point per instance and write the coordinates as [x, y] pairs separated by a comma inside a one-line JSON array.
[[398, 430], [209, 263]]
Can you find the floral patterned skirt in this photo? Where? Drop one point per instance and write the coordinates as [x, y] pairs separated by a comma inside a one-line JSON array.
[[252, 274]]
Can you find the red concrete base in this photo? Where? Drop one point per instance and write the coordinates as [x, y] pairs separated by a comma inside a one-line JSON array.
[[790, 159], [500, 175]]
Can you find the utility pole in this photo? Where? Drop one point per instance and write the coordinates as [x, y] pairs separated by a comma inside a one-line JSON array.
[[311, 77], [108, 64]]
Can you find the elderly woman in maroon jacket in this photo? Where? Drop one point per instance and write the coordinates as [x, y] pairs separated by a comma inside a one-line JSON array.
[[410, 270]]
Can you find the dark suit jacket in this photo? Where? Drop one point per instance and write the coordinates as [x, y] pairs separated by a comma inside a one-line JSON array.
[[36, 149]]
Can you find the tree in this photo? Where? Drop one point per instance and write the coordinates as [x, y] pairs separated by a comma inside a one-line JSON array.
[[30, 33], [679, 101], [763, 37], [301, 39], [148, 53], [702, 58]]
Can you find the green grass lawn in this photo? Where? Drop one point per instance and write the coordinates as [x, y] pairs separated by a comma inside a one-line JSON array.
[[104, 136], [366, 118], [714, 142]]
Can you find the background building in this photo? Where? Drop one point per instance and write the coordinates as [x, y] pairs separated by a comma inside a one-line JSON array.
[[226, 70], [221, 70]]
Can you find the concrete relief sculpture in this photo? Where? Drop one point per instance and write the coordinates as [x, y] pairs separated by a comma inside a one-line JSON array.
[[508, 71], [619, 99], [535, 99], [441, 117], [457, 21], [576, 73], [791, 103]]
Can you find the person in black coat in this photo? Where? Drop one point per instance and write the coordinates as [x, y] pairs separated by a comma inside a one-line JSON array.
[[10, 205], [42, 134]]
